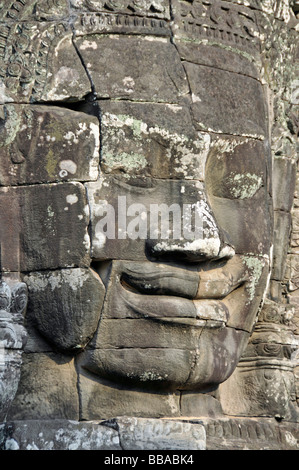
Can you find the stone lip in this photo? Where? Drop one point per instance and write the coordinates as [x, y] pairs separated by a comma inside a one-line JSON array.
[[151, 289], [185, 311]]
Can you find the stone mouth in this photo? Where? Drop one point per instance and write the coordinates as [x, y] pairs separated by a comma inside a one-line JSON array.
[[172, 299], [170, 281]]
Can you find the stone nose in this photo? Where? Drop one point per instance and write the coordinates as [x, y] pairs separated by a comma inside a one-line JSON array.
[[201, 238]]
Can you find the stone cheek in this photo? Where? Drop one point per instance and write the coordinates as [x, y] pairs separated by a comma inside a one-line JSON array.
[[50, 230], [65, 305], [44, 144]]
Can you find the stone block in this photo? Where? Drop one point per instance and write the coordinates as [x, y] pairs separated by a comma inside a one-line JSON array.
[[117, 434], [215, 89], [133, 68], [229, 25], [282, 231], [42, 10], [41, 144], [122, 302], [284, 180], [294, 241], [40, 63], [152, 9], [140, 434], [138, 333], [237, 167], [58, 434], [250, 434], [10, 229], [101, 399], [199, 404], [247, 221], [163, 369], [103, 22], [10, 365], [213, 55], [44, 227], [65, 305], [153, 140], [292, 273], [13, 336], [151, 434], [124, 216], [260, 389], [275, 290], [35, 399]]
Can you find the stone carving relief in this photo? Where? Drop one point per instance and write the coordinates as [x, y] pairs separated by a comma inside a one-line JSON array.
[[148, 202], [13, 302], [266, 371], [137, 7], [221, 21]]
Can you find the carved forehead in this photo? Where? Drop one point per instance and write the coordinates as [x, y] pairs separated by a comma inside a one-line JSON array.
[[40, 40]]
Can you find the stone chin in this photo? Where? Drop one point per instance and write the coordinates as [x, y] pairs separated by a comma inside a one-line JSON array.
[[166, 342], [200, 369]]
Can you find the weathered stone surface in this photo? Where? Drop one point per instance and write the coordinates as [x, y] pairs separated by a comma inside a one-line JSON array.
[[115, 434], [104, 22], [47, 144], [264, 378], [13, 336], [40, 63], [101, 399], [200, 404], [10, 369], [142, 70], [65, 305], [58, 435], [236, 167], [47, 226], [206, 434], [154, 140], [217, 89], [137, 333], [250, 434], [232, 26], [237, 182], [155, 9], [35, 399], [139, 434], [271, 400], [116, 117], [42, 10], [294, 242], [282, 231], [284, 179], [246, 220], [149, 368], [125, 220], [213, 55]]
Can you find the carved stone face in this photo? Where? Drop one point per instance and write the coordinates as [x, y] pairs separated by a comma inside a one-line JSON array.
[[136, 109], [178, 310]]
